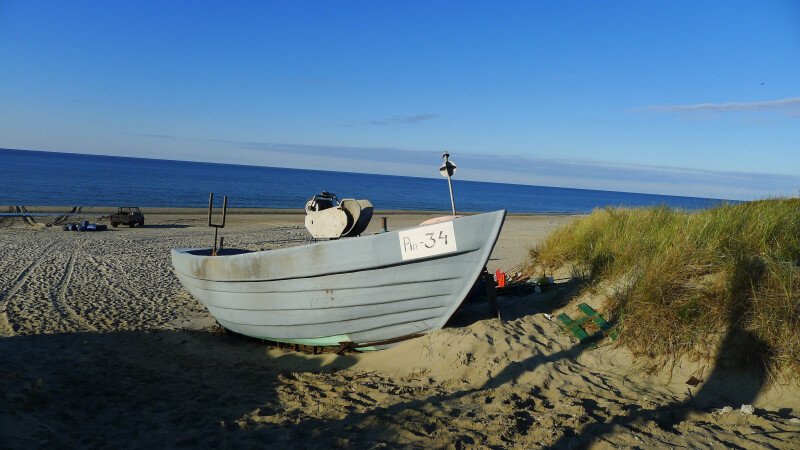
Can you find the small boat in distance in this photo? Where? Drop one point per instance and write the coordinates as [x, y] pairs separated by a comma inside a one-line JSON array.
[[363, 292]]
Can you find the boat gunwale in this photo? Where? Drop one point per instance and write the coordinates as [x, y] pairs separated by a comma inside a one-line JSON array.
[[185, 253], [325, 274]]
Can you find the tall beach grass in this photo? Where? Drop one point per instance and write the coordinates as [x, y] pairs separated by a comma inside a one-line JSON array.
[[688, 283]]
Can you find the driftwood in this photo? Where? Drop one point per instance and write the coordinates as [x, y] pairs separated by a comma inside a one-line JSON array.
[[29, 220]]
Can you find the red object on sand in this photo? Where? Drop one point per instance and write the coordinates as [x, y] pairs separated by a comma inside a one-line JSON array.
[[500, 277]]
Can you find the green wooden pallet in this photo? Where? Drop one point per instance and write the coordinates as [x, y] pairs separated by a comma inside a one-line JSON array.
[[605, 327], [576, 326]]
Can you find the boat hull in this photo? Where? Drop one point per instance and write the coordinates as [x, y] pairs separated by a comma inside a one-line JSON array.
[[364, 290]]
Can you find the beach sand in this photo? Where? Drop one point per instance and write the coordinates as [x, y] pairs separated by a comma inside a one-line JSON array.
[[101, 347]]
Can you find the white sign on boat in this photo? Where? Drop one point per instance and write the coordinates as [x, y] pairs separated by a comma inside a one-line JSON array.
[[431, 240]]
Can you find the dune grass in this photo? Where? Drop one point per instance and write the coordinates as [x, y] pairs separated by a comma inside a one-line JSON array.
[[689, 283]]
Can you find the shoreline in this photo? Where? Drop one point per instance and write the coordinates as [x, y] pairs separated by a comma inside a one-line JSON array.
[[519, 232], [190, 210]]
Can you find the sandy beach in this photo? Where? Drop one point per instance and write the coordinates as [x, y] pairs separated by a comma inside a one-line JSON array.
[[100, 347]]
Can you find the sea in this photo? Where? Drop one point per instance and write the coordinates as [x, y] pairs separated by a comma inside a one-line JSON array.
[[32, 178]]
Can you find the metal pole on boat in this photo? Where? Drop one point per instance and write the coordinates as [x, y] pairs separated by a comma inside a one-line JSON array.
[[447, 170], [216, 226]]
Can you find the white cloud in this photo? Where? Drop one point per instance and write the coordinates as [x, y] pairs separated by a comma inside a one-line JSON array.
[[404, 120], [787, 106], [524, 170], [475, 167]]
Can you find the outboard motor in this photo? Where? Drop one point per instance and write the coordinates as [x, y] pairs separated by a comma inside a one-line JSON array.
[[325, 200], [327, 218]]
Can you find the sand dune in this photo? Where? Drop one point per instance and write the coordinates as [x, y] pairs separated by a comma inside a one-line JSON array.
[[101, 347]]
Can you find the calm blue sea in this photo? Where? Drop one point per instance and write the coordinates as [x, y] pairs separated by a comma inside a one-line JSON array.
[[44, 178]]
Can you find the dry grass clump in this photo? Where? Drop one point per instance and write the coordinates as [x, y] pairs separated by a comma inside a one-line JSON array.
[[692, 282]]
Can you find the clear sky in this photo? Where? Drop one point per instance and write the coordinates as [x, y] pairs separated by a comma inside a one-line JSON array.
[[690, 98]]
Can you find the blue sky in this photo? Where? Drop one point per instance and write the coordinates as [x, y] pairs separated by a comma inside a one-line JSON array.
[[688, 98]]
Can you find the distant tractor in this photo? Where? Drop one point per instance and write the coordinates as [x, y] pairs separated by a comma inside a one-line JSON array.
[[127, 215]]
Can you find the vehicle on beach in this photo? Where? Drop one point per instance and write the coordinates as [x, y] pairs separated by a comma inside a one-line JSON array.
[[127, 215]]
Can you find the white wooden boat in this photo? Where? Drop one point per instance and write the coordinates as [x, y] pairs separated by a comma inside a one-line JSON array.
[[365, 291]]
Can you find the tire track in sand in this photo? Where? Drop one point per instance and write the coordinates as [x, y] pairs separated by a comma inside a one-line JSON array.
[[59, 298], [126, 302], [5, 326]]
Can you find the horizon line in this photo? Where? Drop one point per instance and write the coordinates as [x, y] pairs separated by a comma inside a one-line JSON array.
[[393, 175]]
